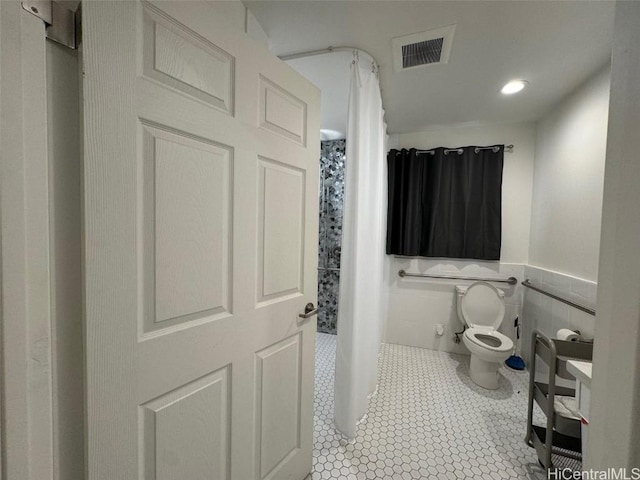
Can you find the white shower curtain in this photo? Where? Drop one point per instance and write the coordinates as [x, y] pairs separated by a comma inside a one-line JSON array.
[[360, 314]]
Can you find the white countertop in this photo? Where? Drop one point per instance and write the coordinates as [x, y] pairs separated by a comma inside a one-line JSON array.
[[580, 370]]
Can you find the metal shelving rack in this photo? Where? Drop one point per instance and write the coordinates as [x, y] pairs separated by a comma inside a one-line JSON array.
[[561, 436]]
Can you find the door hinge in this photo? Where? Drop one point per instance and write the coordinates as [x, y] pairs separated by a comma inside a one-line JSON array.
[[63, 23]]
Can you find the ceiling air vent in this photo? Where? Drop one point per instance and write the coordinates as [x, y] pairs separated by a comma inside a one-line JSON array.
[[425, 48], [422, 53]]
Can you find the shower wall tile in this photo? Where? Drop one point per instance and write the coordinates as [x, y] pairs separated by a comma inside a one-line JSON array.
[[332, 161], [328, 290]]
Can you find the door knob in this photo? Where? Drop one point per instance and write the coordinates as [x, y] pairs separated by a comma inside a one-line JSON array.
[[309, 311]]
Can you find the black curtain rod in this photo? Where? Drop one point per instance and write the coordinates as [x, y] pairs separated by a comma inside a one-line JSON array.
[[459, 150]]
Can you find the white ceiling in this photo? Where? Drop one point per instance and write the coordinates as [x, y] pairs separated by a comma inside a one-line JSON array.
[[555, 45]]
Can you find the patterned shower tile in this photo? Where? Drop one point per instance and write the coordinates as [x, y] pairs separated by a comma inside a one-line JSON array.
[[332, 161], [328, 289]]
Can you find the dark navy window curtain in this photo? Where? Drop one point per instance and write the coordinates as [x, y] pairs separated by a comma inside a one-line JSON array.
[[448, 204]]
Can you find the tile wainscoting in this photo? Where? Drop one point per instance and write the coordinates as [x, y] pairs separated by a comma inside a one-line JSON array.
[[549, 315], [417, 305]]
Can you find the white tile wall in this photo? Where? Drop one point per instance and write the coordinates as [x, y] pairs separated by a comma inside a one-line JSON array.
[[549, 315], [417, 305]]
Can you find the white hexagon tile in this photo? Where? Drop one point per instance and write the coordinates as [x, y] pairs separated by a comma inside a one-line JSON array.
[[428, 420]]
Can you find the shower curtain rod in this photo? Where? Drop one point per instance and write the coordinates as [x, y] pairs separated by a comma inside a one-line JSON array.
[[331, 49], [322, 51], [507, 148]]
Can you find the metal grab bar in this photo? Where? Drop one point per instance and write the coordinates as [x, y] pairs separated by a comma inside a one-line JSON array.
[[527, 283], [510, 280]]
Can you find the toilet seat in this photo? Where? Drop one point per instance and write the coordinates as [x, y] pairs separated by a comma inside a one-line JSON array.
[[482, 305], [489, 339]]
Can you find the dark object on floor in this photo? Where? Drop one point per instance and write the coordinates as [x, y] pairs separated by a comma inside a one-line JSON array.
[[515, 362]]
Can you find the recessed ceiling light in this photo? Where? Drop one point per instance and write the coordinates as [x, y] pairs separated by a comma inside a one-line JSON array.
[[514, 86]]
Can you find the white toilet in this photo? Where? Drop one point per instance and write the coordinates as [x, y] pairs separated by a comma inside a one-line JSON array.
[[481, 307]]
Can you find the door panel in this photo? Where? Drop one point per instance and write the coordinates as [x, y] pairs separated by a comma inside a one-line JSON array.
[[278, 386], [187, 231], [281, 112], [201, 154], [180, 58], [281, 196], [185, 433]]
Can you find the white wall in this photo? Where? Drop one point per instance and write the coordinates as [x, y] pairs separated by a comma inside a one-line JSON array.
[[547, 315], [568, 182], [614, 438], [238, 16], [416, 306], [254, 29], [335, 87]]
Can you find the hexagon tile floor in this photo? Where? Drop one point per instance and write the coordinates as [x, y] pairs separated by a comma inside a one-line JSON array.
[[428, 420]]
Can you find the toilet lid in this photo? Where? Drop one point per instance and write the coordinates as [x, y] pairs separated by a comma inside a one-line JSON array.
[[482, 305]]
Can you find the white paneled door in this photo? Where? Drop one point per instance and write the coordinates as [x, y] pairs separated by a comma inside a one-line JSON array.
[[200, 181]]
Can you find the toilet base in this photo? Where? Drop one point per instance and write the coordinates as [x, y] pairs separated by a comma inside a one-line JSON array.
[[483, 373]]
